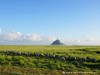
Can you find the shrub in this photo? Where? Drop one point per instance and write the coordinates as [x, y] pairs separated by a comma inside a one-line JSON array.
[[15, 73], [2, 60]]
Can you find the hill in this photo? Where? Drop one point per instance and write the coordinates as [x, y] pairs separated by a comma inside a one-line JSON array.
[[57, 42]]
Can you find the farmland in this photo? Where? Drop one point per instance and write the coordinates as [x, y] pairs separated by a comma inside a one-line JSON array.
[[21, 60]]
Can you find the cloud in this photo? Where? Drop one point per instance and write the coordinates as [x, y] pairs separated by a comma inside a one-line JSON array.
[[10, 36], [0, 29], [52, 38], [13, 37], [82, 41], [49, 38], [91, 39], [33, 37]]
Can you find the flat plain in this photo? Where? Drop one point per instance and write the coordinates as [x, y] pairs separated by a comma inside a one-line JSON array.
[[49, 60]]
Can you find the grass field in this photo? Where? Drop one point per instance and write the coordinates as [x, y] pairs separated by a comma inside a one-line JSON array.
[[37, 65]]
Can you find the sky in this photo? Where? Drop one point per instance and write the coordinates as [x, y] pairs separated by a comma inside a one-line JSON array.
[[40, 22]]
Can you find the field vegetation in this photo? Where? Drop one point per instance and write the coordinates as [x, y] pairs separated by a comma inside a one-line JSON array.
[[49, 60]]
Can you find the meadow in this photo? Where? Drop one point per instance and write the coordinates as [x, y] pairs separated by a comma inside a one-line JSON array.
[[21, 60]]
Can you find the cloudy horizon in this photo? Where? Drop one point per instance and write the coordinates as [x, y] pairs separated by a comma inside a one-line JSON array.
[[12, 37]]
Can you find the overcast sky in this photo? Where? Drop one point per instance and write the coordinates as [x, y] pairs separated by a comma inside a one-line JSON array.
[[40, 22]]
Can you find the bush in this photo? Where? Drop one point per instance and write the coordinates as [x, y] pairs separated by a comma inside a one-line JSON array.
[[11, 73], [15, 73], [31, 64], [2, 60], [18, 60], [92, 65]]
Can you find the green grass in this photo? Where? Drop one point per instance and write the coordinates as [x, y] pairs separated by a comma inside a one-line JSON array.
[[24, 65]]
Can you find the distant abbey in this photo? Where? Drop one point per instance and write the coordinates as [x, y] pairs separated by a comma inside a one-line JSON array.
[[57, 42]]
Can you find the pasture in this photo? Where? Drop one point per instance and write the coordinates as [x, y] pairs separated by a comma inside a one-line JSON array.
[[49, 60]]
